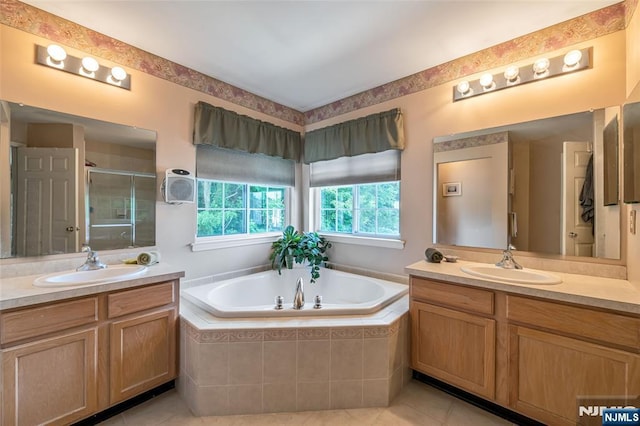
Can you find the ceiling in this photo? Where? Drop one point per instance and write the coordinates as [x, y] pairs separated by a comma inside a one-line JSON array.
[[306, 54]]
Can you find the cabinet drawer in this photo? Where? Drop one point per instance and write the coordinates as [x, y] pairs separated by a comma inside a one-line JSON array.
[[455, 296], [33, 322], [139, 299], [582, 322]]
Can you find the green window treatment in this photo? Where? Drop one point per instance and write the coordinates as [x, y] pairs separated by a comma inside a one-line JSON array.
[[241, 167], [226, 129], [373, 133]]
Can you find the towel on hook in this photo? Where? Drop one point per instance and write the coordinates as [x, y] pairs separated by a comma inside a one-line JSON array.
[[586, 195], [148, 258]]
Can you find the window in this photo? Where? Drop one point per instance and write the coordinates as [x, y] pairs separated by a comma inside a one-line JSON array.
[[368, 209], [226, 208], [241, 194]]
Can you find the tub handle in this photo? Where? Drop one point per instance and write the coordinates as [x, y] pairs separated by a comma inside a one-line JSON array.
[[318, 302], [279, 302]]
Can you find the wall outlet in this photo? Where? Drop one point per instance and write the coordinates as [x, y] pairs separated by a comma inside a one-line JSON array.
[[632, 222]]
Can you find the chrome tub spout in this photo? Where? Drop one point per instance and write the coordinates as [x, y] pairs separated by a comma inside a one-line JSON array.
[[298, 298]]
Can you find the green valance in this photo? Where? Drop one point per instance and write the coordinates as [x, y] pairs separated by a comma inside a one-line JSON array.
[[373, 133], [227, 129]]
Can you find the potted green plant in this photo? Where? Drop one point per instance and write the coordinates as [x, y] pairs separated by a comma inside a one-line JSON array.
[[303, 248]]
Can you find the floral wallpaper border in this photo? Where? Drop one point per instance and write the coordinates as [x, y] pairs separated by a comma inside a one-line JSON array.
[[605, 21], [472, 141]]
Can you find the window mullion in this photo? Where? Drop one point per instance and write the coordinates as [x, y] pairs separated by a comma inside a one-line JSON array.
[[354, 209]]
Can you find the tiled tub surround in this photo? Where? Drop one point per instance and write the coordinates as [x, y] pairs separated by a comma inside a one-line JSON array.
[[249, 366]]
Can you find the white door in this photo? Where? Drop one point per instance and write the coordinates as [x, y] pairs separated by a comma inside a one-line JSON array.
[[47, 210], [577, 235]]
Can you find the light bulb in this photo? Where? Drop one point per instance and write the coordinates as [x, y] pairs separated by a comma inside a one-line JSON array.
[[541, 66], [511, 73], [463, 87], [56, 52], [118, 73], [90, 64], [486, 80], [572, 58]]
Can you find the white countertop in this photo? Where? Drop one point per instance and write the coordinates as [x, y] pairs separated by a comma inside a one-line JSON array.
[[608, 293], [19, 291]]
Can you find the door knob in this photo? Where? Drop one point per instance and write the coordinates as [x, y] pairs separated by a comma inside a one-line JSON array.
[[572, 235]]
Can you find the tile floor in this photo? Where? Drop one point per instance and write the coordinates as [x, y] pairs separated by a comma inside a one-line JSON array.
[[418, 404]]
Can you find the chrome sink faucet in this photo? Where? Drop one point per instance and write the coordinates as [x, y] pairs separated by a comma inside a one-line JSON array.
[[93, 262], [298, 297], [507, 261]]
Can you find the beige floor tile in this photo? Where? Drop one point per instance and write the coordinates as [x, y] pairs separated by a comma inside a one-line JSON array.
[[404, 415], [418, 404], [463, 414], [425, 399]]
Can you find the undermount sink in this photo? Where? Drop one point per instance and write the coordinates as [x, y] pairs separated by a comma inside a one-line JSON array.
[[518, 276], [76, 278]]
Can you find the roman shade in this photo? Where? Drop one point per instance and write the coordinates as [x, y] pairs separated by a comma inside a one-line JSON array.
[[373, 133], [221, 128], [366, 168], [241, 167]]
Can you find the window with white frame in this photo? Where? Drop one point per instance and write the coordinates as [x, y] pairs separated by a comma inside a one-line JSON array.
[[367, 209], [241, 193], [358, 195]]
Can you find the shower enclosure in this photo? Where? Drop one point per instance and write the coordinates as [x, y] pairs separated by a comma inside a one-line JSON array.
[[120, 209]]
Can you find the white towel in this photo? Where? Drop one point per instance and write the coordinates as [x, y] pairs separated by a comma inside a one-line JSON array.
[[148, 258]]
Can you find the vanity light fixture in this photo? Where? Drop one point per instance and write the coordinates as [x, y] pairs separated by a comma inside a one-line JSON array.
[[511, 74], [54, 56], [89, 67], [572, 59], [486, 81], [540, 69], [463, 88]]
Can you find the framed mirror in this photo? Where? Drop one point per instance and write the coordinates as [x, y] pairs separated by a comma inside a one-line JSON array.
[[69, 180], [538, 185]]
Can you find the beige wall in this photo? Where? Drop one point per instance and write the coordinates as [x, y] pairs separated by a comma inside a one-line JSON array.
[[168, 109]]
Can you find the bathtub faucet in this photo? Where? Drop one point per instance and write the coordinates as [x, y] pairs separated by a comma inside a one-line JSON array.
[[298, 297]]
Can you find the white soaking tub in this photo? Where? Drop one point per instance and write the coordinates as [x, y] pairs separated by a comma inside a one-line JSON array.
[[254, 295]]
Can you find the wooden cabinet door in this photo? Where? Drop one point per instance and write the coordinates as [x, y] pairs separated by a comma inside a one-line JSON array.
[[548, 372], [142, 353], [455, 347], [52, 381]]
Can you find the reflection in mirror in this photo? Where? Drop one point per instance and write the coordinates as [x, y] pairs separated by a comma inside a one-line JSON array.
[[610, 151], [631, 125], [537, 185], [69, 180]]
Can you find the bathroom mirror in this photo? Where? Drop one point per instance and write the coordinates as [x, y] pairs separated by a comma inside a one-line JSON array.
[[69, 180], [631, 132], [522, 184]]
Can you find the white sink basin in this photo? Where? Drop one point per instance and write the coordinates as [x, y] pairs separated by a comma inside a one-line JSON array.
[[518, 276], [76, 278]]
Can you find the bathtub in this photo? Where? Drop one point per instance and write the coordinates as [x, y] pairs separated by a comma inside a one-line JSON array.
[[254, 295]]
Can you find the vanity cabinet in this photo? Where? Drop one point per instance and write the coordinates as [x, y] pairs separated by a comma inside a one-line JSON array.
[[558, 352], [142, 342], [530, 355], [455, 343], [64, 361]]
